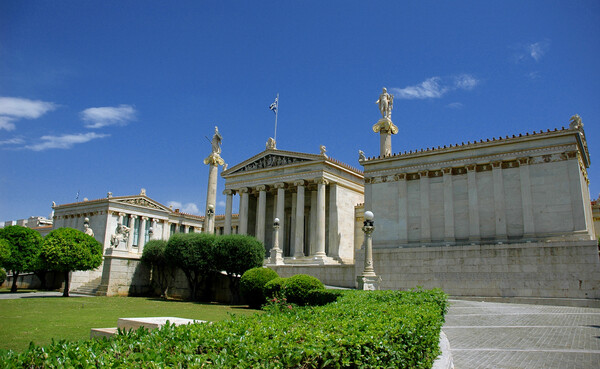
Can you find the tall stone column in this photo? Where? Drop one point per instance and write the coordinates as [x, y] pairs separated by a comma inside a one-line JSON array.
[[166, 230], [320, 239], [281, 211], [132, 219], [313, 223], [261, 213], [474, 232], [243, 214], [448, 207], [292, 231], [228, 210], [142, 232], [211, 193], [526, 200], [499, 210], [299, 236], [425, 208], [402, 209]]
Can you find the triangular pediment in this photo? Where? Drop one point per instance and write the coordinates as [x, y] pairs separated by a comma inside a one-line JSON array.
[[271, 159], [142, 201]]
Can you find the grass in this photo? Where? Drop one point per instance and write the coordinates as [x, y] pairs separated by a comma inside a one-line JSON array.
[[40, 320]]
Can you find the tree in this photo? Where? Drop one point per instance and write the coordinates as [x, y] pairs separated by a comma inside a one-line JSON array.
[[24, 244], [67, 249], [4, 251], [193, 254], [154, 256], [235, 254]]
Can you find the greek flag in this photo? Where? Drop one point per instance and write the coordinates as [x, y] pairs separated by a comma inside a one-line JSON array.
[[274, 105]]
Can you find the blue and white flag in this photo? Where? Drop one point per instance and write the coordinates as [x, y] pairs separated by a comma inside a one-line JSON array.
[[274, 105]]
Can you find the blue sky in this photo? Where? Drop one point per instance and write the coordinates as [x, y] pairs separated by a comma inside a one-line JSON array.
[[99, 96]]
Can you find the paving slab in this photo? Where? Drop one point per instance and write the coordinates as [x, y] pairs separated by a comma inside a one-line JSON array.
[[508, 335]]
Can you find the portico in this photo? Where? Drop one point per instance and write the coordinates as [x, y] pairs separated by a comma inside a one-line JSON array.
[[307, 193]]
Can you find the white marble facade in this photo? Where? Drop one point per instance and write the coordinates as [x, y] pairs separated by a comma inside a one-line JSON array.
[[525, 188], [313, 196]]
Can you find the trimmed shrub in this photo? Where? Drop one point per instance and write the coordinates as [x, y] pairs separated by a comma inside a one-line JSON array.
[[370, 329], [273, 288], [154, 256], [322, 297], [193, 254], [252, 284], [2, 275], [297, 287]]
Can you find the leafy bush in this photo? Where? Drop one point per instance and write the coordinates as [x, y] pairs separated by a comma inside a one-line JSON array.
[[252, 284], [154, 256], [363, 329], [24, 244], [2, 275], [273, 288], [297, 287], [68, 249], [193, 254], [322, 297]]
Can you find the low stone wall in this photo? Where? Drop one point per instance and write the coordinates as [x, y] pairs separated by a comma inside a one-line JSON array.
[[543, 269], [30, 280], [332, 275]]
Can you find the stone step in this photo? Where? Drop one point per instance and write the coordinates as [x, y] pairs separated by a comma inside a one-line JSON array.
[[98, 333]]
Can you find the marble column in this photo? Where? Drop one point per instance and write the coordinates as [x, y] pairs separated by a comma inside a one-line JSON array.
[[142, 238], [228, 210], [474, 232], [576, 188], [243, 214], [292, 232], [261, 213], [132, 219], [211, 192], [499, 210], [299, 236], [313, 223], [320, 231], [166, 230], [186, 228], [402, 209], [448, 207], [526, 200], [424, 196], [281, 212]]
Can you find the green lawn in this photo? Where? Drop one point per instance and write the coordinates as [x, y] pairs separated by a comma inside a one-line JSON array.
[[42, 319]]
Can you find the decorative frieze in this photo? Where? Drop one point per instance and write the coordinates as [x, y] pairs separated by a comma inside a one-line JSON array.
[[270, 161]]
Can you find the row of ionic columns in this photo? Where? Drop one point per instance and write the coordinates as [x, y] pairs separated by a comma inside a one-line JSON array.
[[298, 207], [501, 233]]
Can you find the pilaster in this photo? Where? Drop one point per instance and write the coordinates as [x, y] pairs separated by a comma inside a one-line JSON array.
[[526, 200], [474, 232], [499, 210], [402, 208], [448, 206], [425, 208]]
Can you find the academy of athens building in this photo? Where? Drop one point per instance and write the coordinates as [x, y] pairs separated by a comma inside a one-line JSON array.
[[501, 217]]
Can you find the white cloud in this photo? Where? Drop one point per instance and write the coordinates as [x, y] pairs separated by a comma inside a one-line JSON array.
[[221, 204], [455, 105], [535, 51], [15, 108], [189, 208], [108, 116], [436, 87], [12, 141], [64, 141]]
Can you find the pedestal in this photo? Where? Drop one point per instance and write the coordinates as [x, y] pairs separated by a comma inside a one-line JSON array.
[[368, 283]]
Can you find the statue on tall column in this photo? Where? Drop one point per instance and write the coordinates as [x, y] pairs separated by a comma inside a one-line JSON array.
[[386, 103], [215, 156]]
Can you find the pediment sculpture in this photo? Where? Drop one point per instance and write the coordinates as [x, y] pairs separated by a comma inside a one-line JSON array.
[[270, 161]]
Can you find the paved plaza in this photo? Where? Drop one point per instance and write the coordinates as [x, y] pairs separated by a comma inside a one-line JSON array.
[[501, 335]]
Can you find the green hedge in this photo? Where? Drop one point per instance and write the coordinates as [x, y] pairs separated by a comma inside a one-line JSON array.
[[363, 329], [296, 288], [252, 284]]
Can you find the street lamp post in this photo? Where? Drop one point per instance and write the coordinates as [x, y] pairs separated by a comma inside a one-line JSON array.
[[368, 280]]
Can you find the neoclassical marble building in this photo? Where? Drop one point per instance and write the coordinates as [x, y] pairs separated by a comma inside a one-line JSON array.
[[313, 196]]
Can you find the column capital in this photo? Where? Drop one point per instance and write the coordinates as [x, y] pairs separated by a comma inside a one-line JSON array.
[[400, 177], [321, 180], [243, 190], [261, 188], [133, 216], [228, 192], [447, 170], [299, 182], [279, 185], [471, 167], [423, 173], [524, 160], [121, 214], [497, 164], [144, 218]]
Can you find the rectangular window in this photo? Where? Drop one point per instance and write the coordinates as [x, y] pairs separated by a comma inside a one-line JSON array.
[[173, 228], [192, 229], [147, 232], [182, 229], [136, 231]]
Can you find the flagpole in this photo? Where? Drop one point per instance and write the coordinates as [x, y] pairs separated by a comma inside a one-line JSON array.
[[276, 112]]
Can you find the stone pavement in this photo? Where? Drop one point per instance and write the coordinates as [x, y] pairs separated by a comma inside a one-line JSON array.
[[28, 295], [502, 335]]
